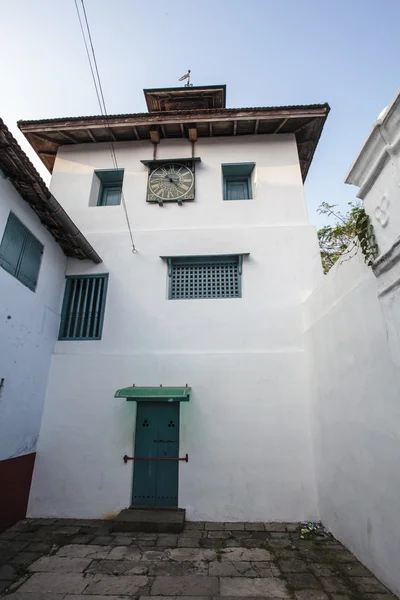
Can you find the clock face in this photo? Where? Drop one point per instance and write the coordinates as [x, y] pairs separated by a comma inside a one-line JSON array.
[[171, 181]]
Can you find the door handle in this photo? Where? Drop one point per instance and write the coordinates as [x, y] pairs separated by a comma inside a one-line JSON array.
[[126, 458]]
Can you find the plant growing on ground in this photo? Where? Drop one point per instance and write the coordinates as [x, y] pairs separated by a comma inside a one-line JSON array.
[[312, 530], [350, 231]]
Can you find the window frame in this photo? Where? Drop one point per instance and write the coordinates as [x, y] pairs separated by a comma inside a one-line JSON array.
[[237, 259], [28, 238], [237, 173], [108, 179], [64, 310]]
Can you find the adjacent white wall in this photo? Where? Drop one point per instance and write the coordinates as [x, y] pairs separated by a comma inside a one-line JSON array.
[[28, 330], [247, 426], [356, 414]]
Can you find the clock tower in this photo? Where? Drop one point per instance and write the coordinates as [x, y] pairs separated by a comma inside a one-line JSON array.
[[173, 180]]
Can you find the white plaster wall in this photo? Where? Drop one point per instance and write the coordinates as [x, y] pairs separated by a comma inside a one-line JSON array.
[[381, 204], [28, 330], [279, 198], [247, 427], [246, 430], [356, 417]]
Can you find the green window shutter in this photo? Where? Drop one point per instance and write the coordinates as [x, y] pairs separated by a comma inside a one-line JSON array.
[[110, 186], [237, 181], [237, 190], [111, 196], [12, 244], [28, 270], [83, 307]]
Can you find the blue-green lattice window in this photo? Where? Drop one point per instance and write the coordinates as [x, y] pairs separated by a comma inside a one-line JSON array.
[[20, 252], [237, 181], [205, 277], [110, 187], [83, 307]]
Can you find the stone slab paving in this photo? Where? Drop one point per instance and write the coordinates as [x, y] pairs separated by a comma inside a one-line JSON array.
[[65, 559]]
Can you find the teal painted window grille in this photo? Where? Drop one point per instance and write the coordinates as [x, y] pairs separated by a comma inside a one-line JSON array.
[[205, 277], [83, 307], [20, 252], [110, 187], [237, 181]]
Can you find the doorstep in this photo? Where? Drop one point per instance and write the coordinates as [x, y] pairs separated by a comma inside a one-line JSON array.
[[150, 520]]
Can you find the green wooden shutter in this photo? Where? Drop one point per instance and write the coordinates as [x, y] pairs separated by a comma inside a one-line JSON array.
[[111, 196], [12, 244], [28, 270], [237, 190]]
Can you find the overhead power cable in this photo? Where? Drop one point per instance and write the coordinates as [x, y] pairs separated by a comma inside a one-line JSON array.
[[100, 98]]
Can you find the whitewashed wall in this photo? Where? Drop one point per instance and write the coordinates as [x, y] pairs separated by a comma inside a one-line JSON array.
[[356, 414], [247, 426], [28, 330]]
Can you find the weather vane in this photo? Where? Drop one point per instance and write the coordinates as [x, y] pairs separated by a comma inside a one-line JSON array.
[[187, 76]]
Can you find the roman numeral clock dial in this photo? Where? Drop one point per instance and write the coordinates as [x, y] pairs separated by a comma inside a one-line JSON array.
[[171, 182]]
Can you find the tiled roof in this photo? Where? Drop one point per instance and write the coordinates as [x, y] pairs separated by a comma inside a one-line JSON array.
[[18, 168]]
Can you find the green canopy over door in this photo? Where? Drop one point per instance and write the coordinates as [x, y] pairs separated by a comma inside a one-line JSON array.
[[155, 394]]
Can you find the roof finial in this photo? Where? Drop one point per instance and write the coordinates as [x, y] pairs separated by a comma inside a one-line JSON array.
[[187, 76]]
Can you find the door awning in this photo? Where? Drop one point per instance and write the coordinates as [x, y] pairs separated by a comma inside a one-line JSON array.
[[155, 394]]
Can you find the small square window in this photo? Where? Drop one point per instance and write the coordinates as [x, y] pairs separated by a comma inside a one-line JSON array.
[[237, 181], [110, 187]]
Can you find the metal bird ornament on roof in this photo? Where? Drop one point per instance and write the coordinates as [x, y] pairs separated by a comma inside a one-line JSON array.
[[186, 76]]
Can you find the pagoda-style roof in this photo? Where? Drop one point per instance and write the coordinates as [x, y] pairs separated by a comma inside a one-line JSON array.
[[185, 98], [185, 112]]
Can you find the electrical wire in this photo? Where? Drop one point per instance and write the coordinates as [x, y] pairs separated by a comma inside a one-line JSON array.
[[102, 104], [87, 53]]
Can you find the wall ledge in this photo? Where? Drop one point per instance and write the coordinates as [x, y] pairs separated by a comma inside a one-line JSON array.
[[386, 269]]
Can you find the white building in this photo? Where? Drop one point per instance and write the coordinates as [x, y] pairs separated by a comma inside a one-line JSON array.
[[211, 299], [34, 232]]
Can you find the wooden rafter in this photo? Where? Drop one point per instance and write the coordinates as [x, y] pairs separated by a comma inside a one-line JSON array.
[[68, 136], [114, 139], [280, 125], [46, 153], [90, 134], [302, 126]]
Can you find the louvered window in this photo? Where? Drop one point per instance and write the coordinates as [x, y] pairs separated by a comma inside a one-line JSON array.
[[20, 252], [205, 277], [83, 307]]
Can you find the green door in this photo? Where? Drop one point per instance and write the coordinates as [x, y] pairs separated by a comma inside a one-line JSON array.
[[155, 482]]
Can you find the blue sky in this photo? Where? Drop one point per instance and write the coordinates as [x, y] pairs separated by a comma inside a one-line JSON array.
[[267, 52]]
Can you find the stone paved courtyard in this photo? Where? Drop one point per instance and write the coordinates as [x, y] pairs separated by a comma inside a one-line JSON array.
[[49, 559]]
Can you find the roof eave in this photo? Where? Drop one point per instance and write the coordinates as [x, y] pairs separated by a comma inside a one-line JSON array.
[[30, 186], [46, 136]]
